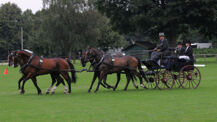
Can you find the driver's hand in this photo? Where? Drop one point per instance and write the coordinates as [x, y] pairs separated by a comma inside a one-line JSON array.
[[158, 50]]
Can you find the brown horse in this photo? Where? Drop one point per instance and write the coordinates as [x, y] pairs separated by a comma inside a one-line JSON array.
[[107, 64], [84, 60], [33, 66]]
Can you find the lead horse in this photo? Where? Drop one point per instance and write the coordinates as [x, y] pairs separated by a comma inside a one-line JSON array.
[[107, 64], [33, 66]]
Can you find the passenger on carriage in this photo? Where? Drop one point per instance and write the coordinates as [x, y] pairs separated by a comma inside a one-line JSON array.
[[187, 54], [180, 50], [161, 48], [189, 51]]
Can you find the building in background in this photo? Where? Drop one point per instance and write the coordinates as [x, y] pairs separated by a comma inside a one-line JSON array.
[[202, 45], [139, 49]]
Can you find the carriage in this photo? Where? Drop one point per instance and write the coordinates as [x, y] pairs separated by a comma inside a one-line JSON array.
[[171, 73]]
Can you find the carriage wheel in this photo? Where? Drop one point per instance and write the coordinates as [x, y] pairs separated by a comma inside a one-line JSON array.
[[165, 80], [151, 81], [190, 76], [177, 81]]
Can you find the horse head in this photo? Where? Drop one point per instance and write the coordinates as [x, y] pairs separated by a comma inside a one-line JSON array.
[[19, 57], [11, 58]]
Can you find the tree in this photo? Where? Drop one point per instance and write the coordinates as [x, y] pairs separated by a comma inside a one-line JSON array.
[[72, 25], [148, 17], [10, 20]]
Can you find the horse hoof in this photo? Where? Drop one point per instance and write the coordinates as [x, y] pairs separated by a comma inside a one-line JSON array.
[[52, 92], [95, 91], [142, 85], [114, 89], [39, 93], [66, 93], [125, 89], [137, 87], [47, 93], [22, 92]]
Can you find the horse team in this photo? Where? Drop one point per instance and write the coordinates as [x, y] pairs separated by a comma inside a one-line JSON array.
[[32, 66]]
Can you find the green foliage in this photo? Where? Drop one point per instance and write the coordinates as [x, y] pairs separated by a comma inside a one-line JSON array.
[[206, 51], [73, 25], [10, 18], [60, 29], [148, 17]]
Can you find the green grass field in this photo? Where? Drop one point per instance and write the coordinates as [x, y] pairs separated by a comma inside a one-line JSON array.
[[133, 105]]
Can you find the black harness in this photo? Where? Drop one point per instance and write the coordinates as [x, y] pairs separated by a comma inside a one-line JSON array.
[[38, 68], [22, 68]]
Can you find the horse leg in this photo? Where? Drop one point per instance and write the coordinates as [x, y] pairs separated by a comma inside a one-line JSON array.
[[134, 84], [53, 81], [55, 87], [22, 78], [22, 91], [118, 80], [102, 75], [34, 80], [128, 81], [68, 79], [104, 81], [62, 81], [140, 79], [59, 80], [96, 74]]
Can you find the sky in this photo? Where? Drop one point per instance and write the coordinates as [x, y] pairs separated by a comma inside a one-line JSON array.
[[34, 5]]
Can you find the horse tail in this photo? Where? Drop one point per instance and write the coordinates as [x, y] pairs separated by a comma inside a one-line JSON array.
[[140, 68], [72, 69]]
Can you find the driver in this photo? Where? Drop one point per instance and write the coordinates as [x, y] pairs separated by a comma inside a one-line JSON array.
[[161, 48]]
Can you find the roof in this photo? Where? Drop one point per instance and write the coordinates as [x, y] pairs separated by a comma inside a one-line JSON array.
[[144, 44]]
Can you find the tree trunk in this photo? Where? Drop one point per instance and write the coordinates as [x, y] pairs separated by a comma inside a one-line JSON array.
[[172, 40], [172, 37]]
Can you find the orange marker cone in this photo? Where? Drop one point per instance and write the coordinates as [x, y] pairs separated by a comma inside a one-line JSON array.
[[6, 71]]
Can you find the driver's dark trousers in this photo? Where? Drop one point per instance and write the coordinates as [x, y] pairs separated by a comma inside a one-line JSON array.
[[156, 55]]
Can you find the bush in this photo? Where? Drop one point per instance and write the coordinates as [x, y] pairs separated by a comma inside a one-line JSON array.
[[206, 51]]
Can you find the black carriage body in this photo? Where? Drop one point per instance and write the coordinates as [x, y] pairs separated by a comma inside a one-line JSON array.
[[174, 63]]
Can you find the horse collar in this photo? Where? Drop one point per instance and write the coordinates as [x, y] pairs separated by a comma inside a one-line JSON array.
[[25, 65], [100, 62]]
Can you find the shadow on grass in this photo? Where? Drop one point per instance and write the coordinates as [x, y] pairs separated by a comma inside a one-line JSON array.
[[107, 92]]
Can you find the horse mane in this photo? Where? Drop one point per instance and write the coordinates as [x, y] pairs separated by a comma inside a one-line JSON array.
[[24, 53], [98, 51]]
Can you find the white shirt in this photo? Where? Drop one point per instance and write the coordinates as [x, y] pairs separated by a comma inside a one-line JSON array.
[[186, 49]]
